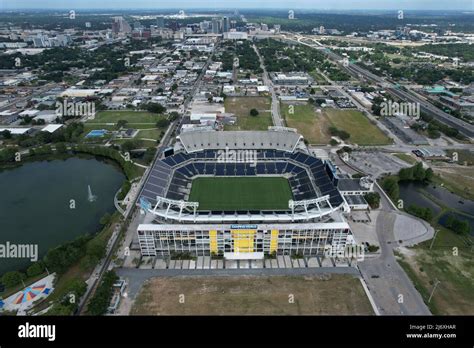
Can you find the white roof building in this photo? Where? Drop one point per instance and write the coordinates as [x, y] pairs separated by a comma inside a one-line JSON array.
[[75, 92], [51, 128], [16, 131]]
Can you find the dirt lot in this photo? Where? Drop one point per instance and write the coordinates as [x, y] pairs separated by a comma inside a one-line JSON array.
[[250, 295], [241, 106], [311, 124]]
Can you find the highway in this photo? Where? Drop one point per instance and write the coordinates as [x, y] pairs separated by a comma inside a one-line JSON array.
[[463, 127]]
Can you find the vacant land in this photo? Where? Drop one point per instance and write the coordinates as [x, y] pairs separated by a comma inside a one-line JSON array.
[[311, 124], [239, 193], [459, 179], [362, 131], [130, 116], [246, 295], [406, 158], [464, 157], [318, 77], [454, 270], [241, 106]]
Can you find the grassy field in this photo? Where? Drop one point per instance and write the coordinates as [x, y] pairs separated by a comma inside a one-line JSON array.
[[142, 143], [312, 125], [362, 131], [455, 292], [241, 193], [465, 157], [130, 116], [318, 77], [246, 295], [150, 133], [241, 106], [459, 180], [406, 158]]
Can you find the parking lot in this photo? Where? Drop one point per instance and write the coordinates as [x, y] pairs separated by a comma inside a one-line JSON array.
[[376, 163]]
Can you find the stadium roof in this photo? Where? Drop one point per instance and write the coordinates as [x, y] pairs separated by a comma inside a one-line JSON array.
[[279, 140]]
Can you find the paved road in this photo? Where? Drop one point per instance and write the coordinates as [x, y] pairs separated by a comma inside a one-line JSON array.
[[276, 115], [136, 277], [393, 291]]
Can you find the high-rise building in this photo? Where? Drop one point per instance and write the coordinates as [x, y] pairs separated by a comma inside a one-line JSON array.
[[215, 26], [120, 25], [160, 22], [225, 26]]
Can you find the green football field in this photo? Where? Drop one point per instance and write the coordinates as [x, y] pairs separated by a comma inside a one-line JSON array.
[[228, 193]]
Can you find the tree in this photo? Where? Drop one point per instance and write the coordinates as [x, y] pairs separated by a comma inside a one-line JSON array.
[[373, 198], [390, 185], [344, 135], [155, 108], [130, 145], [6, 134], [173, 116], [13, 278], [406, 174], [104, 220], [457, 226], [121, 123], [421, 212], [60, 147], [162, 123], [429, 174], [100, 302], [254, 112], [149, 155], [35, 269], [418, 172]]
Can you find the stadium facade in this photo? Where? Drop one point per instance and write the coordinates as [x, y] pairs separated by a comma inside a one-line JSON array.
[[312, 224]]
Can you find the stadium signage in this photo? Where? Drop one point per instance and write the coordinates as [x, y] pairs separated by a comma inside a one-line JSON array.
[[243, 227]]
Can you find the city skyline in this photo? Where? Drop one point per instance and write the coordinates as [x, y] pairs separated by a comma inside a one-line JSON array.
[[461, 5]]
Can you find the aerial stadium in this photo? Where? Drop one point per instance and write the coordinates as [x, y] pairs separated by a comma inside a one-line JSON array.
[[244, 195]]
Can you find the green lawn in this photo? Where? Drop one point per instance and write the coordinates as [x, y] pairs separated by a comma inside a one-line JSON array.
[[143, 143], [362, 131], [241, 106], [229, 193], [150, 133], [312, 125]]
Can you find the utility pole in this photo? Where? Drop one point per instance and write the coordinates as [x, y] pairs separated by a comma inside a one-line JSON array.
[[432, 241], [434, 288]]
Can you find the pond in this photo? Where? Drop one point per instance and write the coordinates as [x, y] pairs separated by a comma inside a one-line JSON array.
[[48, 203]]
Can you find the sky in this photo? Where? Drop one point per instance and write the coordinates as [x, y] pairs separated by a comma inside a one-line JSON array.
[[467, 5]]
